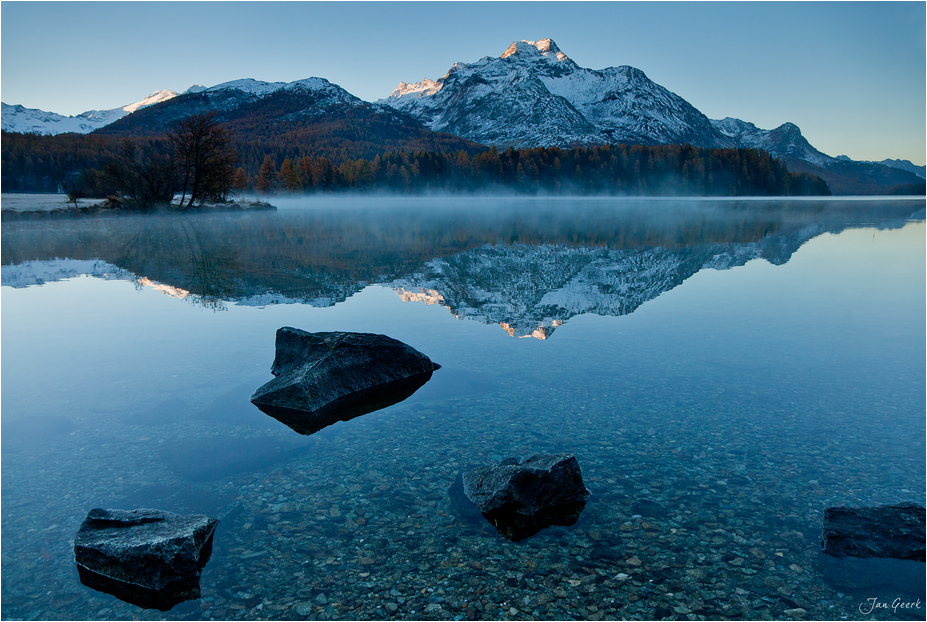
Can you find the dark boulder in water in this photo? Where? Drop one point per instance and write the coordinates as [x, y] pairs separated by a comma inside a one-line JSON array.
[[322, 378], [526, 486], [513, 525], [520, 498], [149, 558], [895, 531]]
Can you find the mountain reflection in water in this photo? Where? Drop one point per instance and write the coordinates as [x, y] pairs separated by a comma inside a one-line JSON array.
[[527, 265]]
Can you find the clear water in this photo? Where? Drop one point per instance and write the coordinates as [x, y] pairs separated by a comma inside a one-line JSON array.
[[723, 371]]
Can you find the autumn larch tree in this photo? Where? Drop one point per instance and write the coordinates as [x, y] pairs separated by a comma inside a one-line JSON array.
[[241, 180], [289, 176], [267, 175]]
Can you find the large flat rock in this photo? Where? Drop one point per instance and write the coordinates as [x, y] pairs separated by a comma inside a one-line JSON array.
[[146, 557], [325, 377]]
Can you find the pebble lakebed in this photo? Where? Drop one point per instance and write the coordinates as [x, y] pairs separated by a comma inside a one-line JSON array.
[[696, 513]]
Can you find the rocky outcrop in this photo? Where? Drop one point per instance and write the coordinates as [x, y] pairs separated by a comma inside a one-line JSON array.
[[149, 558], [322, 378], [895, 531]]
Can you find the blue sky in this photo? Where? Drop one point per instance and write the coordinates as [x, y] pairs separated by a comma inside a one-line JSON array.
[[851, 75]]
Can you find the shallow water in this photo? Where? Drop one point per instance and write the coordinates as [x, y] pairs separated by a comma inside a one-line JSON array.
[[723, 371]]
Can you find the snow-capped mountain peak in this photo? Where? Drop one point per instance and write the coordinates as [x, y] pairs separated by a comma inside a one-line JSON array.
[[26, 120], [545, 48], [535, 95]]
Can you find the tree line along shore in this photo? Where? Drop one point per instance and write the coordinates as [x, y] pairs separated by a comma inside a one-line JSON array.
[[199, 161]]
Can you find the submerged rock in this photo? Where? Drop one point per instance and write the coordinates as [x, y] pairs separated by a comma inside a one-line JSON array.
[[526, 486], [145, 557], [513, 525], [895, 531], [322, 378], [520, 498]]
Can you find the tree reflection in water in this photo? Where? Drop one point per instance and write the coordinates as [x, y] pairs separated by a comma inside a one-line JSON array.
[[528, 265]]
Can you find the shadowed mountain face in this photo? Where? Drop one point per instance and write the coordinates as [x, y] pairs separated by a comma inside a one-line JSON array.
[[529, 270]]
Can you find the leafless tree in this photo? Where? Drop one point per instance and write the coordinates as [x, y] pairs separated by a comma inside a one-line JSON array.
[[204, 157]]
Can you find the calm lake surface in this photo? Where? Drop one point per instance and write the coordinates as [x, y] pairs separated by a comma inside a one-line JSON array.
[[723, 372]]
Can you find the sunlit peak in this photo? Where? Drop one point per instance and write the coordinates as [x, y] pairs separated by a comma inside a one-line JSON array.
[[545, 47]]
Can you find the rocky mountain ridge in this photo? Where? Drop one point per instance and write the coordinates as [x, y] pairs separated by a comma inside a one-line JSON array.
[[534, 95], [531, 95]]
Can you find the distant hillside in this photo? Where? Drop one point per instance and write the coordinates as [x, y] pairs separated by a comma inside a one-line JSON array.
[[905, 165], [843, 175], [37, 163], [848, 177], [306, 118], [311, 118]]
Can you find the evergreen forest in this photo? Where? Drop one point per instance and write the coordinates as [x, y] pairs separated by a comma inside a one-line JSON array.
[[33, 163]]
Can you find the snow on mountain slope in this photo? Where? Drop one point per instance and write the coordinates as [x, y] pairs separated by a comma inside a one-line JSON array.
[[29, 120], [535, 95], [785, 140], [413, 89], [258, 89], [154, 98], [16, 118], [495, 101]]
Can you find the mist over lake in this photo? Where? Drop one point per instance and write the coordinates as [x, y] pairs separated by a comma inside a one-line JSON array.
[[723, 371]]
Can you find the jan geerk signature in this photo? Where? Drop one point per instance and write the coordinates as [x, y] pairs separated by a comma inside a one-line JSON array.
[[874, 604]]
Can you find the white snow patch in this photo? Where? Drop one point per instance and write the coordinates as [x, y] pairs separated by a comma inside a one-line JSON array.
[[17, 118]]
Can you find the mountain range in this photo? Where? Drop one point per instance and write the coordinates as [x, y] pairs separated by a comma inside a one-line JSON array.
[[532, 95]]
